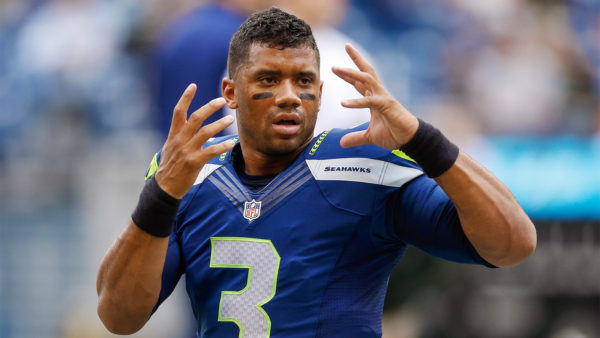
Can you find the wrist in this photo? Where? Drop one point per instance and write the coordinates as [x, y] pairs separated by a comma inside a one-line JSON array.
[[156, 210], [169, 186], [410, 131], [431, 149]]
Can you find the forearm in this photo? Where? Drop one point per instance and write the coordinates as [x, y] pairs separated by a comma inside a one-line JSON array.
[[490, 216], [129, 279], [130, 275]]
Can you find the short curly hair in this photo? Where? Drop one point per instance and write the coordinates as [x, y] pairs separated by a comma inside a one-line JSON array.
[[273, 27]]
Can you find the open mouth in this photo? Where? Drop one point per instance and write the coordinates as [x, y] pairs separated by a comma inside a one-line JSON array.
[[287, 119], [287, 122]]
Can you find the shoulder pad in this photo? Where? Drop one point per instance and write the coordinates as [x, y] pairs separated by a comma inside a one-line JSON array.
[[327, 145], [354, 178], [153, 166], [224, 157]]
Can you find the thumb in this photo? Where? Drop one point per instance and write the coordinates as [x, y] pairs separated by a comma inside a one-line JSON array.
[[353, 139]]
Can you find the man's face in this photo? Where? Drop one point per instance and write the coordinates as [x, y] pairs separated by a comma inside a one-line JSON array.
[[277, 93]]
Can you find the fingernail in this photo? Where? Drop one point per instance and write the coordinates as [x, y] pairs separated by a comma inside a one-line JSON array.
[[228, 118], [220, 100]]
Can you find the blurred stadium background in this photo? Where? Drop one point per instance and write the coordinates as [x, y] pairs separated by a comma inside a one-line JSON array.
[[516, 83]]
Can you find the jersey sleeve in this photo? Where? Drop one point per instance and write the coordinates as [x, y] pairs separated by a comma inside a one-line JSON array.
[[425, 217]]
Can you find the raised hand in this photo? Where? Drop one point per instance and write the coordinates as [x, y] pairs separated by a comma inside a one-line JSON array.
[[182, 155], [391, 124]]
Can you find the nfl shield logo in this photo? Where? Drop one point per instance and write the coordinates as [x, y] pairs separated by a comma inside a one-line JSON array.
[[252, 210]]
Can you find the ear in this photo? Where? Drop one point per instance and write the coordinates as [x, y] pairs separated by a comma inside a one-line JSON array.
[[320, 94], [229, 93]]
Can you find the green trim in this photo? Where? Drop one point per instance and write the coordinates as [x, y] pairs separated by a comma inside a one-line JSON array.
[[153, 167], [250, 270], [314, 148], [401, 154], [223, 155]]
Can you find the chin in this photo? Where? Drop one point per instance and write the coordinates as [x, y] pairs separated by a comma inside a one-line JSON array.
[[285, 146]]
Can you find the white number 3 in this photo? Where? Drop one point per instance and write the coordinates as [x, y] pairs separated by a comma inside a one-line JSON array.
[[244, 307]]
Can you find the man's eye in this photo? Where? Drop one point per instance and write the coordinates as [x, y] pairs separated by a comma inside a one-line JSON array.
[[305, 81], [267, 80]]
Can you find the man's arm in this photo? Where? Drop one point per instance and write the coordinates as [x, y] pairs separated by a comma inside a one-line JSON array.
[[490, 216], [129, 278]]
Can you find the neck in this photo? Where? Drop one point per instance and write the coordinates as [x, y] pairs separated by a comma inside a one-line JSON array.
[[260, 164]]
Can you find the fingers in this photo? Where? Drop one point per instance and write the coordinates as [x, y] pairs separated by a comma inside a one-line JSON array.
[[364, 102], [353, 139], [352, 75], [359, 86], [200, 115], [210, 130], [180, 110], [360, 80], [217, 149], [360, 61]]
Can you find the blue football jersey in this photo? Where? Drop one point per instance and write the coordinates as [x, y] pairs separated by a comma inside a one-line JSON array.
[[310, 254]]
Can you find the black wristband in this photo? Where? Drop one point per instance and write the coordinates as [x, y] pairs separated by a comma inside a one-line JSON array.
[[156, 210], [431, 149]]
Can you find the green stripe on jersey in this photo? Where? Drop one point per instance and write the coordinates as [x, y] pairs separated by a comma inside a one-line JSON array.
[[153, 167], [401, 154]]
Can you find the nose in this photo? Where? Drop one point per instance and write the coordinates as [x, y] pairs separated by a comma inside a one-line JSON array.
[[287, 95]]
